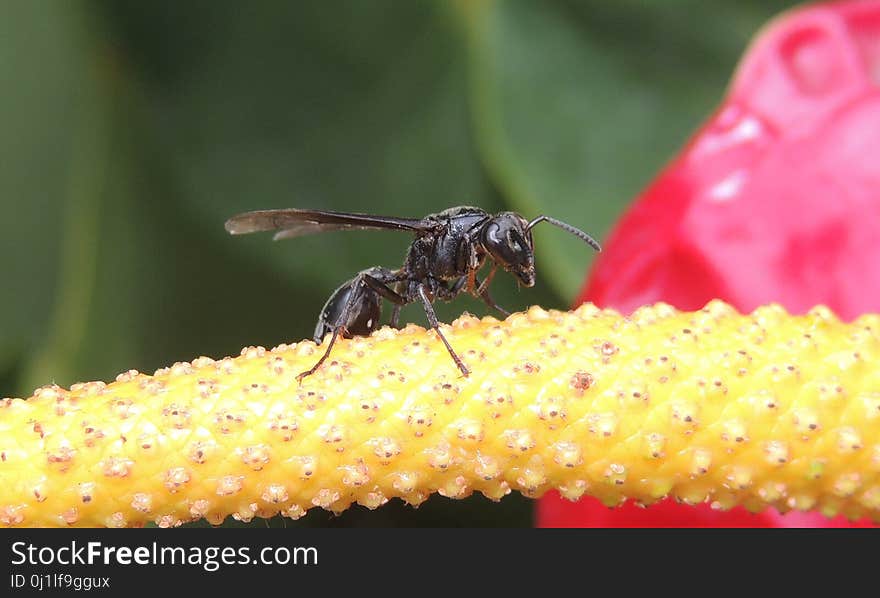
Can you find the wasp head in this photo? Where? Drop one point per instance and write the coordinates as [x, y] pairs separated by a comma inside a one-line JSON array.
[[508, 241]]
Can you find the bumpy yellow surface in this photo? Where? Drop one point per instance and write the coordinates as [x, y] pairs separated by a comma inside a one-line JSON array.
[[761, 410]]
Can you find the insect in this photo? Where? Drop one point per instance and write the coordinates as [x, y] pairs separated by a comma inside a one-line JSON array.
[[449, 249]]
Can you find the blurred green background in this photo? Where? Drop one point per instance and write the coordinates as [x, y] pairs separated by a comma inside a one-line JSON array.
[[131, 130]]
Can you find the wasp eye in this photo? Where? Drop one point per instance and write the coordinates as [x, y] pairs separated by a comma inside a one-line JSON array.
[[516, 242]]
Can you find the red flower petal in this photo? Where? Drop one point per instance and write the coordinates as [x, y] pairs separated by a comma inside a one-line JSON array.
[[776, 199]]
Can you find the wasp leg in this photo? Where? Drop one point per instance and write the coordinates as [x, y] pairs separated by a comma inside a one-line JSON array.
[[336, 329], [487, 299], [445, 293], [450, 292], [482, 292], [373, 283], [384, 290], [484, 286], [338, 326], [395, 317], [432, 318], [471, 280], [381, 287]]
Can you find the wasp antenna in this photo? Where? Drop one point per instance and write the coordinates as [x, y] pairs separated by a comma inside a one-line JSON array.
[[569, 228]]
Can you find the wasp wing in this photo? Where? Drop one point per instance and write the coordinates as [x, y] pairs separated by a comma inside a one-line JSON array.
[[296, 223]]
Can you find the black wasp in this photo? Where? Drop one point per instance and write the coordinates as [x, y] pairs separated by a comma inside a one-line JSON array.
[[449, 248]]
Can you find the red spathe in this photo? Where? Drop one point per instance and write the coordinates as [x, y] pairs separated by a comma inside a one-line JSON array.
[[776, 199]]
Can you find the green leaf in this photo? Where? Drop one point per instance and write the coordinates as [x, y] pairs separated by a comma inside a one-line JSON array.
[[41, 62], [64, 303], [92, 312]]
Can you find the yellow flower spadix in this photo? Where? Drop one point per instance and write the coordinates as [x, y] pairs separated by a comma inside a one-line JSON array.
[[760, 410]]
